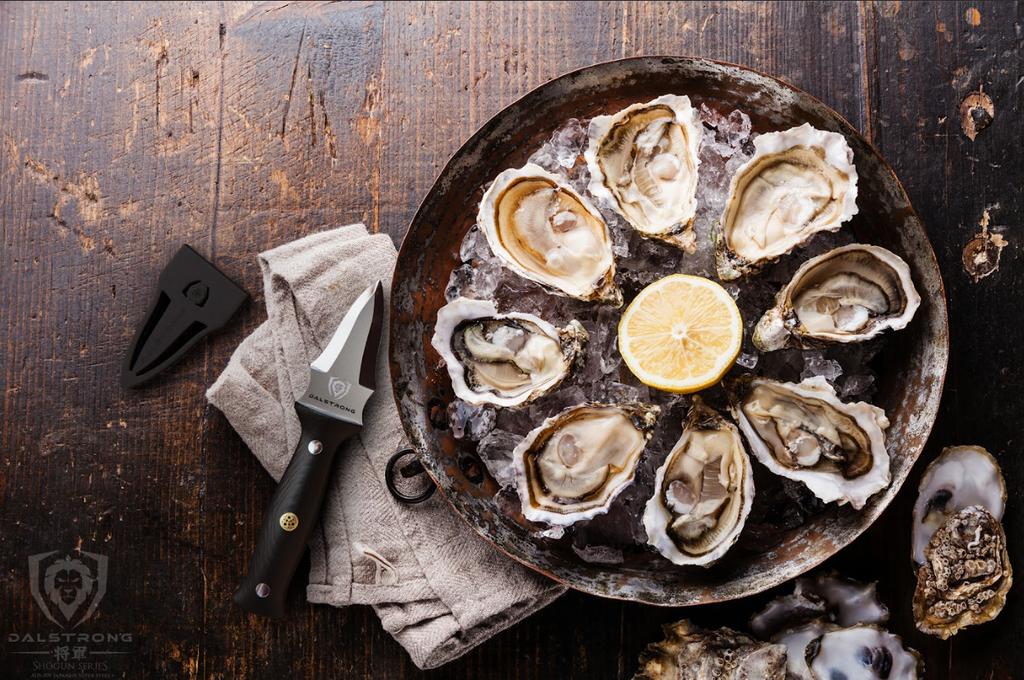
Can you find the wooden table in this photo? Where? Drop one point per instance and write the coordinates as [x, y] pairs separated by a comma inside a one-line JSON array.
[[129, 129]]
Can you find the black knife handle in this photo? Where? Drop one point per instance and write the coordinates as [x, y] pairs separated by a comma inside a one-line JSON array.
[[294, 511]]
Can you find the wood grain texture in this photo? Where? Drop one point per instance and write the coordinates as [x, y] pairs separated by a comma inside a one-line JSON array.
[[128, 129]]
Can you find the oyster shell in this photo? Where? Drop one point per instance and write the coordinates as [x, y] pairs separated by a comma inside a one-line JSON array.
[[966, 574], [504, 359], [643, 160], [798, 182], [960, 477], [697, 654], [827, 596], [804, 432], [541, 229], [574, 465], [795, 640], [862, 652], [703, 491], [849, 294]]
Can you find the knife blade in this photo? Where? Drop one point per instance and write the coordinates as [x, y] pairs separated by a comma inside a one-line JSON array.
[[341, 381]]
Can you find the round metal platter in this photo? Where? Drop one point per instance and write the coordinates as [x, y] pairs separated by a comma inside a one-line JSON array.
[[913, 360]]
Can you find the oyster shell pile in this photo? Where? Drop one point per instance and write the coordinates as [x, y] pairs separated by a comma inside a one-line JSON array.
[[804, 432], [697, 654], [546, 232], [574, 465], [799, 182], [702, 493], [643, 160], [504, 359], [849, 294]]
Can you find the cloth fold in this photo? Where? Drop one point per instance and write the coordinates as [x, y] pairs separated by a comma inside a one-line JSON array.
[[437, 587]]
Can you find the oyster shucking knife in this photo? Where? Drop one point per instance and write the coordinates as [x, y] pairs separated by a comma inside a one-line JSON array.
[[341, 380]]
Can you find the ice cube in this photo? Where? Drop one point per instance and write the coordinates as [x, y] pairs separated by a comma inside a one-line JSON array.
[[748, 361], [469, 421], [598, 554], [816, 364]]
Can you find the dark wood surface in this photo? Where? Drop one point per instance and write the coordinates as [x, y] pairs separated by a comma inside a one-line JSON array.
[[129, 129]]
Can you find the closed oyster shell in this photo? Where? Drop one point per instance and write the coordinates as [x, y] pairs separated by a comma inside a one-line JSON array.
[[574, 464], [799, 182], [696, 654], [643, 160], [966, 574], [703, 491], [541, 229]]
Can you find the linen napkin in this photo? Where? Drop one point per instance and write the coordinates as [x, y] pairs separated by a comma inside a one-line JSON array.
[[438, 588]]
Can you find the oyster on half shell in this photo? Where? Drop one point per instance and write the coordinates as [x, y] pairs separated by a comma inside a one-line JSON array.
[[644, 161], [504, 359], [703, 491], [862, 652], [541, 229], [574, 465], [798, 182], [804, 432], [849, 294]]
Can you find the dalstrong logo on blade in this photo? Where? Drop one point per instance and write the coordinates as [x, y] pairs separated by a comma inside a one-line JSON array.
[[61, 585], [338, 387]]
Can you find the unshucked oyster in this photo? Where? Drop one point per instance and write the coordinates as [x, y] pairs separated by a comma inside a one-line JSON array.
[[804, 432], [574, 465], [541, 229], [504, 359], [966, 574], [692, 653], [849, 294], [703, 492], [644, 161], [799, 182]]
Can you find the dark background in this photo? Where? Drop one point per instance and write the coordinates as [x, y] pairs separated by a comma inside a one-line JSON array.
[[128, 129]]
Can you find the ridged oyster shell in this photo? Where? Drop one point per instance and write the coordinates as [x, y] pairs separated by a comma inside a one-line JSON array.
[[849, 294], [703, 491], [541, 229], [799, 182], [504, 359], [643, 160], [693, 653], [574, 464]]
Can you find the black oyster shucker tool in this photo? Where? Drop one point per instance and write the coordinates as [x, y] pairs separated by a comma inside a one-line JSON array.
[[193, 299], [341, 381]]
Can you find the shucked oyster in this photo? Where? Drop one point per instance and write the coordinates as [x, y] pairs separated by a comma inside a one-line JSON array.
[[696, 654], [849, 294], [804, 432], [703, 492], [644, 160], [966, 574], [544, 231], [862, 653], [504, 359], [960, 477], [573, 465], [799, 182]]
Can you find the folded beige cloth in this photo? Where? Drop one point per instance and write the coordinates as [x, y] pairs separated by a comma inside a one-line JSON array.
[[438, 588]]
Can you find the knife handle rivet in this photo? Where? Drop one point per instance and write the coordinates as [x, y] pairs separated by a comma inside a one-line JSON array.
[[262, 590], [289, 521], [315, 447]]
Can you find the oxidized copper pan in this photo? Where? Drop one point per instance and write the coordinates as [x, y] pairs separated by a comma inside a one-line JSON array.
[[914, 360]]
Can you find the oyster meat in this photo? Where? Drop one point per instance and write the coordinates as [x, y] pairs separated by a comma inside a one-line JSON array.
[[643, 160], [960, 477], [804, 432], [696, 654], [849, 294], [574, 465], [862, 652], [796, 640], [798, 182], [703, 491], [504, 359], [541, 229], [966, 574]]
